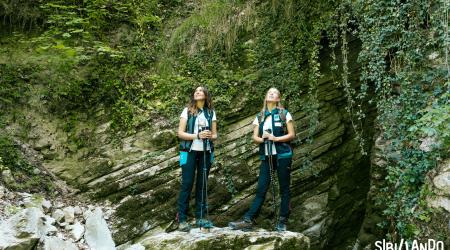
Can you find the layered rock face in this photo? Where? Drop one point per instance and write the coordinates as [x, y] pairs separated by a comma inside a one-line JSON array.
[[141, 176], [370, 232]]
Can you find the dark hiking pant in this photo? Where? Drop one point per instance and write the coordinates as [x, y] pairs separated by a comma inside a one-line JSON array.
[[193, 165], [282, 168]]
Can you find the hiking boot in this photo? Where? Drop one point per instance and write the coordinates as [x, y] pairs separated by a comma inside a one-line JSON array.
[[204, 223], [244, 225], [184, 227], [281, 225]]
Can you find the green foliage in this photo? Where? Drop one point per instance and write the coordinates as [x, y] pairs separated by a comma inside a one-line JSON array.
[[109, 54], [339, 34], [13, 85], [217, 24], [397, 41], [434, 122], [20, 15], [90, 21], [95, 53], [11, 156], [140, 60], [22, 171]]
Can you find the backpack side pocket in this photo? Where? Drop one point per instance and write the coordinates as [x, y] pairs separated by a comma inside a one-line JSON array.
[[183, 158]]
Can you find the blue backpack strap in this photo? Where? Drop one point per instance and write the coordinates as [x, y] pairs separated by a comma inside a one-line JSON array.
[[190, 124], [260, 116], [283, 114], [189, 127]]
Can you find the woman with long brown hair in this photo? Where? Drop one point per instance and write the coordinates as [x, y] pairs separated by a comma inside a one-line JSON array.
[[197, 130], [273, 128]]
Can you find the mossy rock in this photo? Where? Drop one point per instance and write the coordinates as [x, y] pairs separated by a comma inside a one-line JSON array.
[[164, 139]]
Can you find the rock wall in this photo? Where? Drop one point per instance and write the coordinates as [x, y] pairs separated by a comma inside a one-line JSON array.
[[370, 232], [434, 221], [437, 225], [140, 175]]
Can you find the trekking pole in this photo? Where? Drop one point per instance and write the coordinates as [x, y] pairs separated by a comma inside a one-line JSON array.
[[204, 185], [272, 178], [205, 177]]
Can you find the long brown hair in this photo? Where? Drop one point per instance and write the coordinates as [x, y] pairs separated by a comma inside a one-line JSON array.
[[192, 106]]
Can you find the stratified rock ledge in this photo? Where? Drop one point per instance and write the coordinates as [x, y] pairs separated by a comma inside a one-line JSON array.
[[225, 238]]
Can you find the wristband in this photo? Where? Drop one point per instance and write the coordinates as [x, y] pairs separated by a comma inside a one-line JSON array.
[[198, 136]]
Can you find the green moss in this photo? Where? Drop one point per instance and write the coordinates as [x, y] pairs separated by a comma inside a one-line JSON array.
[[22, 171], [107, 190], [218, 244], [165, 139], [25, 182], [292, 243], [101, 168]]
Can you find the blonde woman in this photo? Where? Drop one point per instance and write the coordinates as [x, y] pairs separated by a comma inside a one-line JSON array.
[[197, 131], [273, 128]]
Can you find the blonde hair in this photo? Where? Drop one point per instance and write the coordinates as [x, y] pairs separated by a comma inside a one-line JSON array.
[[279, 105]]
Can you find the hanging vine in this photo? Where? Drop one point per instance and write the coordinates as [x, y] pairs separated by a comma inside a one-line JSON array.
[[338, 35], [397, 41]]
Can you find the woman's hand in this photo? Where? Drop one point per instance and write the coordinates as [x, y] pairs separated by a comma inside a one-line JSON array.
[[206, 134], [269, 136], [265, 135], [272, 137]]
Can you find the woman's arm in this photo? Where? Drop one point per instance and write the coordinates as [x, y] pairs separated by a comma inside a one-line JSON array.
[[182, 131], [285, 138], [256, 138], [214, 131]]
